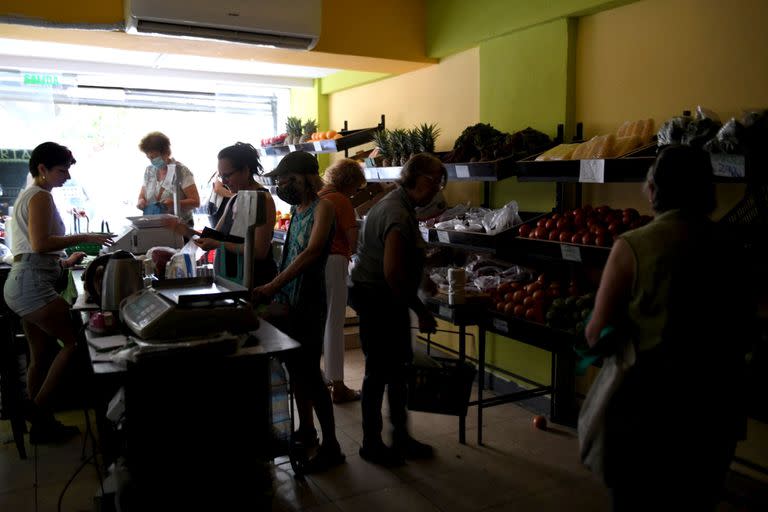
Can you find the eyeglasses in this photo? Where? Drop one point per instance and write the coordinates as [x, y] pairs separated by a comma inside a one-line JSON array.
[[440, 182], [226, 175]]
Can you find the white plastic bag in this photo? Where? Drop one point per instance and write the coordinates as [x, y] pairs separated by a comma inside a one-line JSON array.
[[504, 218]]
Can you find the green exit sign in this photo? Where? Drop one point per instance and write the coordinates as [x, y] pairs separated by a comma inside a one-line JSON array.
[[44, 79]]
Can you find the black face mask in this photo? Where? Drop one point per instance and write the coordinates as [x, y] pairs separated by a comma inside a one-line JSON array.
[[289, 193]]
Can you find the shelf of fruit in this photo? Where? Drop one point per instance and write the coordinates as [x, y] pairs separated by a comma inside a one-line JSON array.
[[582, 235], [629, 168], [542, 312], [477, 241], [324, 142], [493, 170]]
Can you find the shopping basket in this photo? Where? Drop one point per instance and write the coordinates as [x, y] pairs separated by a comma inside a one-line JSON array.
[[439, 385]]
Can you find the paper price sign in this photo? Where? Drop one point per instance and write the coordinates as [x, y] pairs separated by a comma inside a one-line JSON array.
[[424, 234], [500, 325], [442, 236], [462, 171], [592, 171], [570, 252], [318, 145], [291, 148]]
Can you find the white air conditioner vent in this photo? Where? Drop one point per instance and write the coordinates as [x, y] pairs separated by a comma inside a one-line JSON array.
[[293, 24]]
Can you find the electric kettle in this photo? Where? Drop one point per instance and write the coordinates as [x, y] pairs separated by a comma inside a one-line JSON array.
[[122, 277]]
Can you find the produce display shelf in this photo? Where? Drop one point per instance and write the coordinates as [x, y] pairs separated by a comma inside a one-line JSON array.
[[531, 249], [478, 241], [494, 170], [348, 139], [630, 168], [530, 333]]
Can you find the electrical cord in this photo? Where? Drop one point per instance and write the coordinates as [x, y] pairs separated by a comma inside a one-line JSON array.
[[72, 478], [89, 434]]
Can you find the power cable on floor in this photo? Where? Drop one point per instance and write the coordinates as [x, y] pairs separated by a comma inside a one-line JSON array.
[[34, 458]]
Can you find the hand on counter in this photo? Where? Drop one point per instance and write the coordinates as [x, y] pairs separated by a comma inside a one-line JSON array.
[[263, 294], [73, 259]]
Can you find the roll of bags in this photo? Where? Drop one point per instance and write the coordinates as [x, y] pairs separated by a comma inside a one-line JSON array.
[[457, 280]]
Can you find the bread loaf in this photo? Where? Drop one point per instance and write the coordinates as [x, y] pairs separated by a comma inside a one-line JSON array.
[[560, 152]]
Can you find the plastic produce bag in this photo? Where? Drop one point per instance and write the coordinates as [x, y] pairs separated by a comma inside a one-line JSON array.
[[501, 219], [729, 139], [703, 128]]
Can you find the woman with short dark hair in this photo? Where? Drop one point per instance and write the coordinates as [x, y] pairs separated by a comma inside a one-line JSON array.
[[39, 241], [673, 289]]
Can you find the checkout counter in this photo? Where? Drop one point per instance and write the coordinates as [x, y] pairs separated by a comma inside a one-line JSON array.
[[184, 401]]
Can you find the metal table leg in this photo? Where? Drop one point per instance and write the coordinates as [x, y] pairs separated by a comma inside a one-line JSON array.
[[480, 382], [462, 357]]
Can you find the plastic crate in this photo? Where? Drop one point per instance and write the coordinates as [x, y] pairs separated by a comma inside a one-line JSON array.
[[87, 248], [440, 385], [752, 209]]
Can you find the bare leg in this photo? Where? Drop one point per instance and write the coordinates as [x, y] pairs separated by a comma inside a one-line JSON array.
[[53, 320], [42, 350]]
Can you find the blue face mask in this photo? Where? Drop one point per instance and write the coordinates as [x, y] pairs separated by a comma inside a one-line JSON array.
[[158, 162]]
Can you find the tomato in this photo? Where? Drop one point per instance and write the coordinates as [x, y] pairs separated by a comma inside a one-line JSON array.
[[524, 230], [519, 296], [576, 239], [555, 216], [530, 314], [509, 297], [514, 286], [504, 288], [519, 310], [588, 239], [631, 212], [614, 228], [500, 307], [539, 422], [508, 308], [538, 295], [541, 233], [565, 236], [529, 302], [541, 223], [562, 224], [579, 221], [554, 235], [532, 287], [550, 224], [601, 240], [542, 278]]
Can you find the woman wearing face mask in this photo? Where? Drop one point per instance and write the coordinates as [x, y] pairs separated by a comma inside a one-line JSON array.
[[156, 195], [299, 291], [237, 165]]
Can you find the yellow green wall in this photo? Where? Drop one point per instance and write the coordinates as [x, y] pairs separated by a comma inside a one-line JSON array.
[[656, 58], [446, 94]]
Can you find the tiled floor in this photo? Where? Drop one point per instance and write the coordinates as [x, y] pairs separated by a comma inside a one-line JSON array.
[[518, 468]]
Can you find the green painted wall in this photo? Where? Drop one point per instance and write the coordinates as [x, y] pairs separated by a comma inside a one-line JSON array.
[[348, 79], [524, 81], [455, 25], [310, 103]]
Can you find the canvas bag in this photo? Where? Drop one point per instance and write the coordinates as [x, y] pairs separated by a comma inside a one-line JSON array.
[[591, 422]]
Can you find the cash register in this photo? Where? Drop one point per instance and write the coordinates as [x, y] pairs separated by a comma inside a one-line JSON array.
[[179, 310]]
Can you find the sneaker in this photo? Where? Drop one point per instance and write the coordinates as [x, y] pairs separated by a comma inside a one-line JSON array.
[[51, 432], [341, 394], [325, 459], [381, 454], [410, 448]]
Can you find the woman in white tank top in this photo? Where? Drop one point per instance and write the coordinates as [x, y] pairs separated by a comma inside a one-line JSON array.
[[38, 247]]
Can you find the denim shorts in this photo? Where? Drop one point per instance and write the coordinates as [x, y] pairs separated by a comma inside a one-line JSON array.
[[30, 283]]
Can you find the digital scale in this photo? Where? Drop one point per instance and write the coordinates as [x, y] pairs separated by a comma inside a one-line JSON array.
[[181, 309], [146, 232]]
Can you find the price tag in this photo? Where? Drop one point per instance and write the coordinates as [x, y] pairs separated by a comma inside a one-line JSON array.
[[424, 234], [442, 236], [291, 148], [729, 166], [318, 145], [462, 171], [570, 252], [500, 325], [592, 171], [444, 311]]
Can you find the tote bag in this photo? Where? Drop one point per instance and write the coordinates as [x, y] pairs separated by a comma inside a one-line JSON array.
[[591, 423]]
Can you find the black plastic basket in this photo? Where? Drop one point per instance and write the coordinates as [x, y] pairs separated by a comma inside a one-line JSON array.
[[441, 386], [752, 209]]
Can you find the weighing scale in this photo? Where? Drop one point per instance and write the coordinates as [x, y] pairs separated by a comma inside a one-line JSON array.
[[146, 232], [183, 309]]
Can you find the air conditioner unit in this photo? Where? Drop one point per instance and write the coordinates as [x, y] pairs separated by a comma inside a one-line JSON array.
[[293, 24]]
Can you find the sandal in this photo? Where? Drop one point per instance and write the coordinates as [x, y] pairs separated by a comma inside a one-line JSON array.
[[341, 394]]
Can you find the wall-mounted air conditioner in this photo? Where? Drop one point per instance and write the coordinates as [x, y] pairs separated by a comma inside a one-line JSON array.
[[291, 24]]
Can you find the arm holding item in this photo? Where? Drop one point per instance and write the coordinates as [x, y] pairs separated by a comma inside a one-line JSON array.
[[614, 291], [142, 201], [41, 212], [317, 241], [396, 275]]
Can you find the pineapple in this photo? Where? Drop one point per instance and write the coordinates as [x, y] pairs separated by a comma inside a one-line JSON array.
[[309, 127], [293, 128], [412, 143], [400, 151], [381, 139], [427, 134]]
